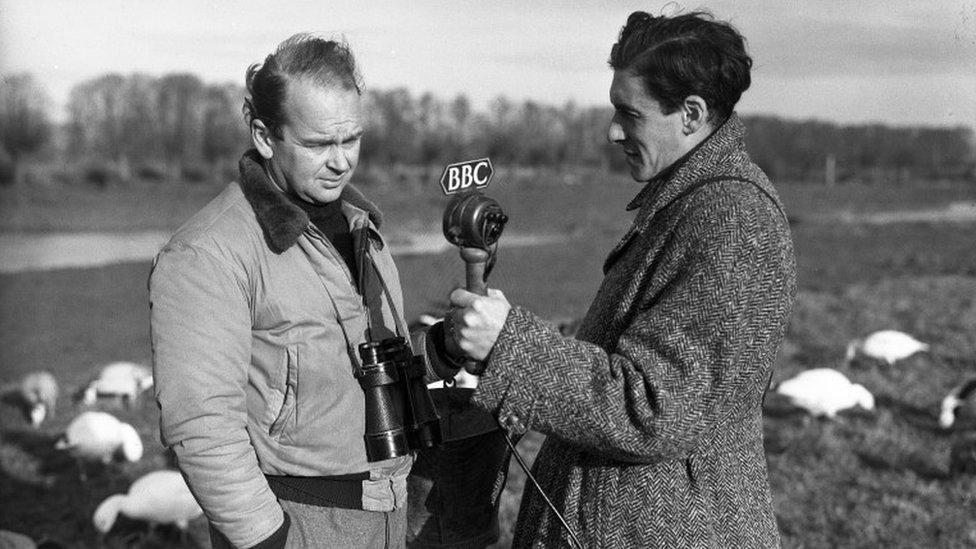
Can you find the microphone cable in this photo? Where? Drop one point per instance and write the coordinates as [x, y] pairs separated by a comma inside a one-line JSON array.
[[528, 474]]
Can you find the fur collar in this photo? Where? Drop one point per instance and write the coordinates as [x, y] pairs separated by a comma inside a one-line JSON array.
[[282, 221]]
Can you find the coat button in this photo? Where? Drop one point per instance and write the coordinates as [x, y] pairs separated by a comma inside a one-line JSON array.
[[514, 423]]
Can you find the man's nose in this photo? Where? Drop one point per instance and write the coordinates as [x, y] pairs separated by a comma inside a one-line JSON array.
[[337, 161], [615, 133]]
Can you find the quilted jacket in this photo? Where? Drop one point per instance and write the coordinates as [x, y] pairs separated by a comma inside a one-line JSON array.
[[254, 315], [653, 412]]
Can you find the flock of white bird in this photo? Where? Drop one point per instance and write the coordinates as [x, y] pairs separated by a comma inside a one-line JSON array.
[[162, 497], [158, 497], [823, 392]]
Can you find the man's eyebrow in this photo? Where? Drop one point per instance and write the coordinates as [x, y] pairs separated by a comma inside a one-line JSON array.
[[622, 106], [333, 137]]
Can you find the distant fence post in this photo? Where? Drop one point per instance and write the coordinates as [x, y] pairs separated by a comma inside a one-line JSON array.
[[830, 170]]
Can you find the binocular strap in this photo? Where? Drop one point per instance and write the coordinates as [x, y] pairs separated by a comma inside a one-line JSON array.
[[365, 261]]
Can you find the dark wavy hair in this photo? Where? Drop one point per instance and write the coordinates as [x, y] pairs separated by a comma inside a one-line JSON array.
[[682, 55], [328, 63]]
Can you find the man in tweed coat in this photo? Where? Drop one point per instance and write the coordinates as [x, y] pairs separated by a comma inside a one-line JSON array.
[[653, 412]]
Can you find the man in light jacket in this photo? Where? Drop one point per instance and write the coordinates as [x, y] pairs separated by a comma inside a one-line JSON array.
[[653, 411], [258, 306]]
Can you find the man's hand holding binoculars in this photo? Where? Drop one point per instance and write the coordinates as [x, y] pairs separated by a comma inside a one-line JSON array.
[[472, 325]]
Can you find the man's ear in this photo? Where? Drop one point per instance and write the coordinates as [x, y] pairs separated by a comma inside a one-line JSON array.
[[261, 137], [694, 114]]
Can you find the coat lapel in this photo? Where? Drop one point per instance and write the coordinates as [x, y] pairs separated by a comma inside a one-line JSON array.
[[618, 250]]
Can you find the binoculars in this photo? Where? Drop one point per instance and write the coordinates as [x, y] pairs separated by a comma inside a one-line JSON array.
[[400, 414]]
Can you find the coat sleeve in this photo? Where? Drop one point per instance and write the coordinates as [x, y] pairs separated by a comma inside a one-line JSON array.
[[201, 339], [679, 363]]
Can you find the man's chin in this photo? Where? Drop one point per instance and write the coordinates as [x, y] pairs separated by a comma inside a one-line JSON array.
[[639, 174], [324, 195]]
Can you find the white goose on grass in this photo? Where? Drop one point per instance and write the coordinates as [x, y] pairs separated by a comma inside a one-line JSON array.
[[119, 379], [15, 540], [954, 400], [824, 391], [888, 346], [159, 497], [99, 436], [39, 393]]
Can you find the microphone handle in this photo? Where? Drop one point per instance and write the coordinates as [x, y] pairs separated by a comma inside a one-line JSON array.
[[475, 260], [475, 275]]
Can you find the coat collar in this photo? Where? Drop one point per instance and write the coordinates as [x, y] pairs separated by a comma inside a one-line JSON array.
[[281, 220], [703, 160], [706, 159]]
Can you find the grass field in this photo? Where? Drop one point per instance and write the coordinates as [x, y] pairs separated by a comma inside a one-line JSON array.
[[870, 479]]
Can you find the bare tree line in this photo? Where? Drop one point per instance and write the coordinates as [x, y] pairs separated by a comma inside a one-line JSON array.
[[176, 124]]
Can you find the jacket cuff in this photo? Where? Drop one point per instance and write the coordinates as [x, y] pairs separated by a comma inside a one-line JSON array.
[[278, 538], [510, 384]]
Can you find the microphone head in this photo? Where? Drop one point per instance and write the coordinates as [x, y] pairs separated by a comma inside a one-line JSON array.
[[473, 220]]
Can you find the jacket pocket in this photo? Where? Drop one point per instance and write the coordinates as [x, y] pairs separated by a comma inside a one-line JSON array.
[[289, 405]]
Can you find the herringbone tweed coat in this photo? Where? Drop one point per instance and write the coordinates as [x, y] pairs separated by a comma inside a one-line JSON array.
[[653, 413]]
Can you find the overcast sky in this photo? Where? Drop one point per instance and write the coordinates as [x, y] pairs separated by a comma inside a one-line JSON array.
[[897, 62]]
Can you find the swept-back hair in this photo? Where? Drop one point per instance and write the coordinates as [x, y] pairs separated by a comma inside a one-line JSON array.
[[328, 63], [682, 55]]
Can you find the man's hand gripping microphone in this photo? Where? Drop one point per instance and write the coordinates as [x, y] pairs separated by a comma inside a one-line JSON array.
[[474, 222]]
